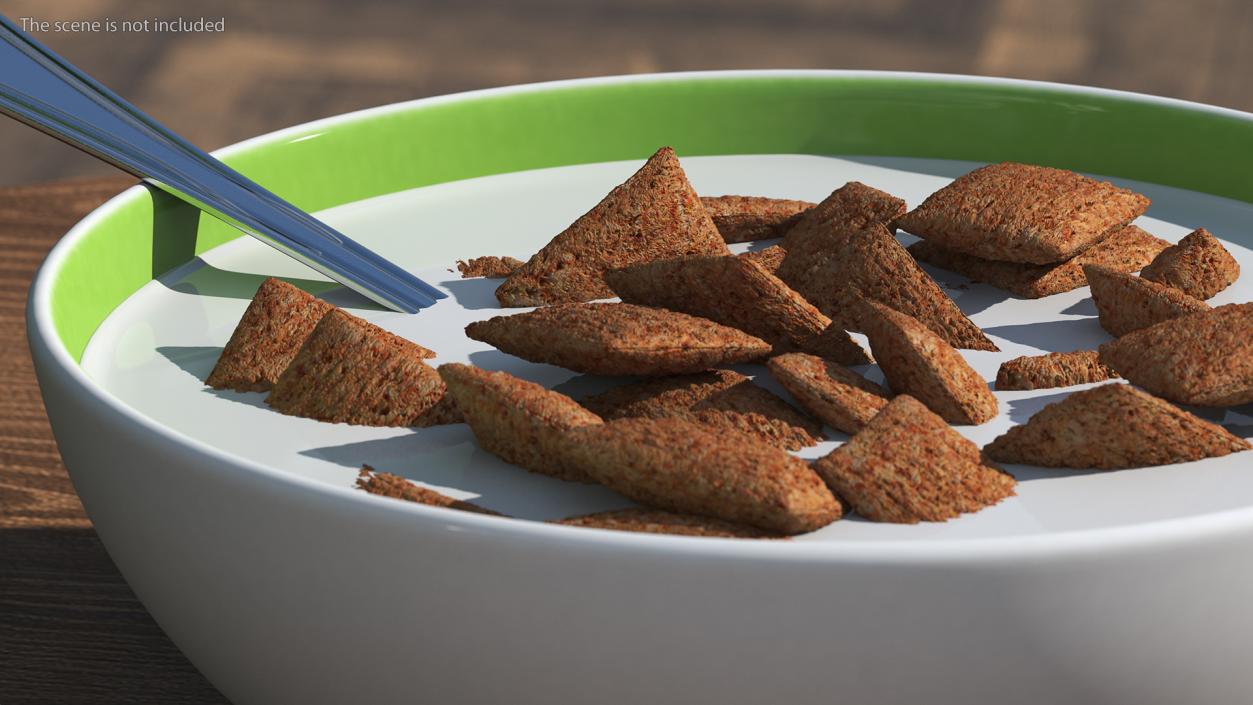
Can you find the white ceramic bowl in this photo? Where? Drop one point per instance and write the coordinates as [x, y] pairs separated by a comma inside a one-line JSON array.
[[282, 587]]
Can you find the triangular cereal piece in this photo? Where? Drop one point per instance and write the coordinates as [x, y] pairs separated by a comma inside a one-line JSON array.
[[385, 484], [918, 362], [1126, 302], [737, 293], [519, 421], [1109, 427], [655, 521], [840, 397], [349, 371], [852, 207], [747, 218], [618, 339], [1023, 213], [908, 466], [719, 399], [1127, 249], [685, 467], [488, 266], [653, 215], [267, 337], [1052, 370], [769, 258], [1202, 358], [1199, 266], [872, 263]]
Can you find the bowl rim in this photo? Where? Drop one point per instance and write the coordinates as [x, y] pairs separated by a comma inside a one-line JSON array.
[[46, 344]]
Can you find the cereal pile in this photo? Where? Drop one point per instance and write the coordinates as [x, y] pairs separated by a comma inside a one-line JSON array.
[[706, 451]]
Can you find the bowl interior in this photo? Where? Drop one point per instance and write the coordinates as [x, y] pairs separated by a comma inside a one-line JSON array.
[[340, 160], [154, 351]]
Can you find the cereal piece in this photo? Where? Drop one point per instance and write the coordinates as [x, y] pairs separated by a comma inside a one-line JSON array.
[[653, 215], [385, 484], [488, 266], [655, 521], [746, 218], [918, 362], [349, 371], [908, 466], [1125, 250], [681, 466], [1126, 302], [1110, 427], [737, 293], [852, 207], [1199, 266], [519, 421], [872, 263], [770, 258], [1202, 358], [840, 397], [1023, 213], [720, 399], [618, 339], [267, 337], [1052, 370]]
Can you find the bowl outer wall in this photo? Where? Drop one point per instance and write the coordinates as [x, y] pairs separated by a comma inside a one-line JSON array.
[[290, 596], [285, 590]]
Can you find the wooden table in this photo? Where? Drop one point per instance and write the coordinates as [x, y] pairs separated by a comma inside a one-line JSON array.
[[71, 630]]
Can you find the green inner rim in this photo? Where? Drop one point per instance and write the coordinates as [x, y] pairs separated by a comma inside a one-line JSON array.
[[432, 143]]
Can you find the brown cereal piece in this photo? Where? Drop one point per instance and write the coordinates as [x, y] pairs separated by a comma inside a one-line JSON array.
[[653, 215], [1111, 427], [267, 337], [920, 363], [618, 339], [1052, 370], [1199, 266], [1202, 358], [349, 371], [769, 258], [747, 218], [1127, 249], [852, 207], [488, 266], [519, 421], [737, 293], [873, 264], [838, 396], [1126, 302], [385, 484], [655, 521], [908, 466], [682, 466], [720, 399], [1023, 213]]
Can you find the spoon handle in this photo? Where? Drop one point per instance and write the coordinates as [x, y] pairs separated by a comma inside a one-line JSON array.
[[46, 92]]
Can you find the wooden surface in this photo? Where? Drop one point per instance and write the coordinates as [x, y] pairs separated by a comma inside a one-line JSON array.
[[71, 631], [282, 62]]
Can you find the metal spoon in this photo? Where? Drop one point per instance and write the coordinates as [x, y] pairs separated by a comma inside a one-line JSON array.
[[46, 92]]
